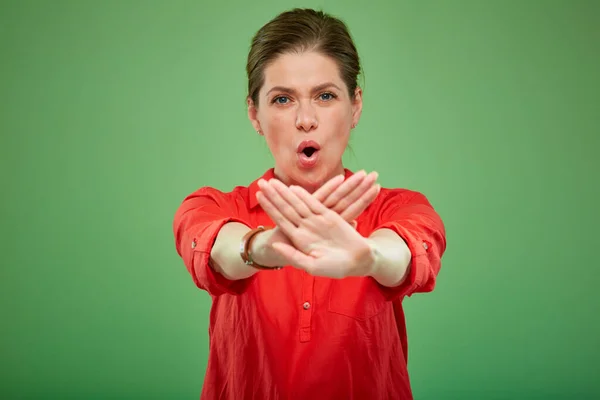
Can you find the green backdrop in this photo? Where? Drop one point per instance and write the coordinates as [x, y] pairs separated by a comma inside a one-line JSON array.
[[113, 111]]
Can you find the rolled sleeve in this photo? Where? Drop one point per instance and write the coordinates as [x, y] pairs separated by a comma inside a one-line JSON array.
[[196, 226], [205, 277], [423, 231]]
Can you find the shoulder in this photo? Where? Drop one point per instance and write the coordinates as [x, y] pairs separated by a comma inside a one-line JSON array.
[[238, 198], [213, 202], [217, 194], [392, 203], [399, 196], [213, 195]]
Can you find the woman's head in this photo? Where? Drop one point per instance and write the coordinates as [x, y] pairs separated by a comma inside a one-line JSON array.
[[302, 87]]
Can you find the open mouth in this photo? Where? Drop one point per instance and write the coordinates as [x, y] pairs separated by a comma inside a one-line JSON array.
[[308, 147], [309, 151]]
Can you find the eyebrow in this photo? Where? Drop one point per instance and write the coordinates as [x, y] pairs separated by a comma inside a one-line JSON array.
[[315, 89]]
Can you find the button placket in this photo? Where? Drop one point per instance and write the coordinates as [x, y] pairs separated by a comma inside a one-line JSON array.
[[306, 311]]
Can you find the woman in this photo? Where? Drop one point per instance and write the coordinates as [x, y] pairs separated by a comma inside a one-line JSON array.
[[308, 307]]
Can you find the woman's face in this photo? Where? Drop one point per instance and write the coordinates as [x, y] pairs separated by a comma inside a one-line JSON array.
[[305, 114]]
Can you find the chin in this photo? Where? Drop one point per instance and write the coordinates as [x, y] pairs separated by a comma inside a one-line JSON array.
[[310, 179]]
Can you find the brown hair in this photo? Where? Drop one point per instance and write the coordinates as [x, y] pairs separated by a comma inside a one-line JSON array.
[[302, 30]]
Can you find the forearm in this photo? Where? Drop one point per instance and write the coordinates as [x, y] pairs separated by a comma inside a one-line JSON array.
[[391, 258], [225, 254]]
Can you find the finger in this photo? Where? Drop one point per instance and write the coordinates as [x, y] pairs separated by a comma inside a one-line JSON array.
[[328, 188], [356, 193], [294, 257], [356, 208], [291, 198], [278, 218], [344, 189], [279, 202], [315, 206]]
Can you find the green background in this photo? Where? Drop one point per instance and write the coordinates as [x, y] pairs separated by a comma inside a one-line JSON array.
[[113, 111]]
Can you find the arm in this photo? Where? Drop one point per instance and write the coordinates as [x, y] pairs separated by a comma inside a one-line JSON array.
[[208, 232], [225, 255], [346, 197], [408, 244], [391, 257], [207, 229]]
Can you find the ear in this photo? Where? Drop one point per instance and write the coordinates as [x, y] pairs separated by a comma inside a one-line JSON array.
[[253, 115], [357, 104]]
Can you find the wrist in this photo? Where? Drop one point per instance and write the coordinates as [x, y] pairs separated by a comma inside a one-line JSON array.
[[373, 260], [261, 249]]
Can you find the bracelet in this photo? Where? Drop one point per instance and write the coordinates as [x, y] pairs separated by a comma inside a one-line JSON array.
[[245, 249]]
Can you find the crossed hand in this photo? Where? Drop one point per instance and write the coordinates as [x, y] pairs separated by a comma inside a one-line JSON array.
[[317, 232]]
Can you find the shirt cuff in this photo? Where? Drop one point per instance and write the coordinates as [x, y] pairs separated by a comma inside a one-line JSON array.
[[418, 267], [204, 275]]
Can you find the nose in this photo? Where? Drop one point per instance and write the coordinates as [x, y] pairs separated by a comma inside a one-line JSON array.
[[306, 119]]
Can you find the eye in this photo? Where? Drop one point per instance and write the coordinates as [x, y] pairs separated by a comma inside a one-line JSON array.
[[327, 96], [280, 100]]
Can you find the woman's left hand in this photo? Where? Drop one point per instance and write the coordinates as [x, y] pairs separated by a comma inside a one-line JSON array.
[[324, 244]]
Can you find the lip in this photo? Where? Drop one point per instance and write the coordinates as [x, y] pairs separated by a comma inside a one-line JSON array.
[[305, 161], [308, 143]]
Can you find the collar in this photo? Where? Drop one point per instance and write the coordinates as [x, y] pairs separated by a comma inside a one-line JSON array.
[[270, 174]]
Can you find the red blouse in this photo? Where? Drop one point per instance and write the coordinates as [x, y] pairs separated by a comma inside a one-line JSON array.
[[289, 335]]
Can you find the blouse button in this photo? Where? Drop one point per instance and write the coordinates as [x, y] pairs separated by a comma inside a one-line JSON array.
[[306, 305]]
